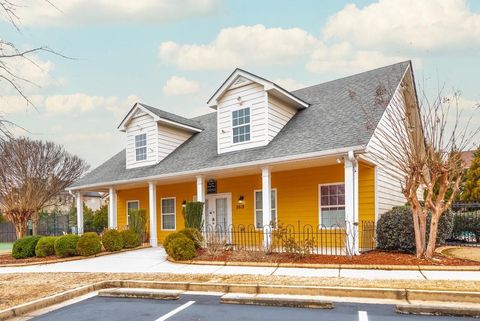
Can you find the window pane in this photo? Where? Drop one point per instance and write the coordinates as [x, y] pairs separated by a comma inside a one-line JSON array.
[[341, 199], [324, 190], [325, 200], [168, 222], [258, 219], [333, 216], [258, 200], [332, 189], [132, 205], [333, 200]]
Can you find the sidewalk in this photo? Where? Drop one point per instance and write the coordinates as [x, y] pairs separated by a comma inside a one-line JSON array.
[[153, 260]]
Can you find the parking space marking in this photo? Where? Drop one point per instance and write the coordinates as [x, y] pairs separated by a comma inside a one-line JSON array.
[[362, 316], [175, 311]]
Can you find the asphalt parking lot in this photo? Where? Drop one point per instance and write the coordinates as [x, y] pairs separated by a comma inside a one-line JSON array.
[[207, 307]]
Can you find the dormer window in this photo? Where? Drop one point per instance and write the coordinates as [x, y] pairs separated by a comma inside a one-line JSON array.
[[140, 147], [241, 125]]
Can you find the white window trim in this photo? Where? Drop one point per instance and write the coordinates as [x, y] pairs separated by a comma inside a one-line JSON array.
[[136, 148], [174, 213], [255, 207], [249, 123], [320, 202], [131, 201]]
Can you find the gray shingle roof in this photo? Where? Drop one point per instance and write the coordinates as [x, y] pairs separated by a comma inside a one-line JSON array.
[[172, 117], [343, 113]]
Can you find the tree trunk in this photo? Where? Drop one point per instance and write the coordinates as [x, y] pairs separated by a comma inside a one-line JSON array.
[[35, 224], [420, 227], [432, 238], [20, 229]]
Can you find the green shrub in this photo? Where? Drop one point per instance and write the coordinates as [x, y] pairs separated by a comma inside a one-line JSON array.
[[45, 246], [130, 239], [170, 237], [466, 225], [25, 247], [112, 241], [100, 219], [181, 249], [395, 229], [194, 235], [137, 222], [89, 244], [193, 215], [66, 245]]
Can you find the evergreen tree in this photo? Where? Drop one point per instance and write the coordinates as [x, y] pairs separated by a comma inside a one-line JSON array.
[[471, 186]]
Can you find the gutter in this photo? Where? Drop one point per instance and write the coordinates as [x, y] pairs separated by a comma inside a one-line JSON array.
[[271, 161]]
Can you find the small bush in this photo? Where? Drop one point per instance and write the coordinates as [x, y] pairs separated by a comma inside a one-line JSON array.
[[170, 237], [89, 244], [66, 245], [112, 241], [45, 246], [194, 235], [130, 239], [137, 222], [25, 247], [181, 249], [395, 229]]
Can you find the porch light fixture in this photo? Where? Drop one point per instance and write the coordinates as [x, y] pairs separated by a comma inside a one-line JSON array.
[[240, 199], [184, 203]]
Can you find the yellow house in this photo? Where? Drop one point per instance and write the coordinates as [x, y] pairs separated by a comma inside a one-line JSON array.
[[263, 155]]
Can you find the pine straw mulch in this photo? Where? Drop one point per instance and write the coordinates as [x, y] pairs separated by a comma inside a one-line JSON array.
[[23, 287], [368, 258]]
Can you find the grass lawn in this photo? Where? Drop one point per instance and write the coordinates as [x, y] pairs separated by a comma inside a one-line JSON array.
[[5, 247], [465, 252]]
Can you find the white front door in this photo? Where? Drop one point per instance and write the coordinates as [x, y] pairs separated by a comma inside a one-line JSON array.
[[218, 210]]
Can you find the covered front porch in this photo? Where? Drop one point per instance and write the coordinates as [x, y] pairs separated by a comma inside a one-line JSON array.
[[323, 195]]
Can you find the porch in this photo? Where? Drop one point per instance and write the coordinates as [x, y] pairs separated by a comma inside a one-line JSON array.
[[332, 198]]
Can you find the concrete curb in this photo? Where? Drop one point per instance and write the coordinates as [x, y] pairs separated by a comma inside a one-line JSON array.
[[271, 300], [350, 292], [438, 310], [333, 266], [73, 258], [139, 293]]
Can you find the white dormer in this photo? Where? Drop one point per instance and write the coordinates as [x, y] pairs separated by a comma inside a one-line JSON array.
[[251, 111], [152, 134]]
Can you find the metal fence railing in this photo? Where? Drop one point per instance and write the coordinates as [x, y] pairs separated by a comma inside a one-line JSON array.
[[291, 238], [7, 232], [466, 228]]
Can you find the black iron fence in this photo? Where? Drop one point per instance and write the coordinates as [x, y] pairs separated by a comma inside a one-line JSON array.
[[466, 228], [291, 238], [7, 232], [56, 223]]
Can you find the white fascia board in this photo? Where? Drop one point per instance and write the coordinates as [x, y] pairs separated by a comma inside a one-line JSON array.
[[122, 127], [175, 124], [207, 170]]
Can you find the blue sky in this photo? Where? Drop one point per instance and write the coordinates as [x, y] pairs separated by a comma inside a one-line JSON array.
[[174, 54]]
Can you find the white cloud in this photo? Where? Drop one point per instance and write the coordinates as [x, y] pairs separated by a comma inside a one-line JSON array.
[[14, 104], [80, 102], [342, 58], [71, 12], [403, 24], [238, 46], [176, 86], [289, 83]]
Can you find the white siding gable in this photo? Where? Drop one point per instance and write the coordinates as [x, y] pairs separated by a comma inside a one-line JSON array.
[[252, 95], [140, 123], [169, 138], [279, 113]]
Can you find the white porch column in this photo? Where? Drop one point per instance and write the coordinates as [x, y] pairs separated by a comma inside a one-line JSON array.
[[351, 204], [79, 201], [266, 206], [152, 201], [201, 194], [112, 208]]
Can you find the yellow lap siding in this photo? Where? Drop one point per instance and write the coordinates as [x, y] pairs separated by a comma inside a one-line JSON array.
[[134, 194]]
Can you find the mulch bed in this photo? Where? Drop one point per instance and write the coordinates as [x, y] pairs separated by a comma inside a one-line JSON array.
[[9, 259], [368, 258]]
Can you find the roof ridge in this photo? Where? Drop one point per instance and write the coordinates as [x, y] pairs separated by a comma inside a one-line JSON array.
[[354, 75]]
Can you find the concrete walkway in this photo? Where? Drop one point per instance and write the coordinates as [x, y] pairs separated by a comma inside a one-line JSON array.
[[153, 260]]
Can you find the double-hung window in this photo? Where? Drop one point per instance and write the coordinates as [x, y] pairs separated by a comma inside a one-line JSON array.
[[259, 209], [140, 147], [168, 213], [332, 205], [131, 206], [241, 125]]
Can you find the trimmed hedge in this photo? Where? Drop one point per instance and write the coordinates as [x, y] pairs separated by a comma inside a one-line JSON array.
[[25, 247], [112, 241], [395, 231], [170, 237], [66, 245], [45, 246], [181, 249], [89, 244], [194, 235], [130, 239]]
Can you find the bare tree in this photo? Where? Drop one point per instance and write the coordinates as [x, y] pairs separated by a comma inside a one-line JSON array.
[[423, 145], [32, 174]]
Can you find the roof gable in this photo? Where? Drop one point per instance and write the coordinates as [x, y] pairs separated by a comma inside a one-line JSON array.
[[240, 77]]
